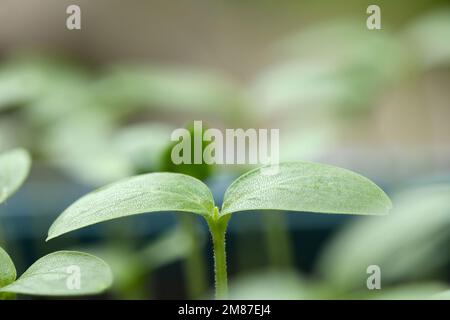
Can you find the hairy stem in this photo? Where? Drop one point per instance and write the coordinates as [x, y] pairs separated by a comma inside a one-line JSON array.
[[217, 227]]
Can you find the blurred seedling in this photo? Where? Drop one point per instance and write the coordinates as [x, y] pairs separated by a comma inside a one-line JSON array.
[[298, 186]]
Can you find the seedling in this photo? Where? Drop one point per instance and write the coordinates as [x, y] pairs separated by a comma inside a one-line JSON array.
[[298, 186], [62, 273]]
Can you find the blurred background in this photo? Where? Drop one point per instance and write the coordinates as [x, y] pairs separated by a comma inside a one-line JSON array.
[[99, 104]]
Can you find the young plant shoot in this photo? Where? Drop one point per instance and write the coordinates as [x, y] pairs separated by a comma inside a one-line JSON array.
[[298, 186], [62, 273]]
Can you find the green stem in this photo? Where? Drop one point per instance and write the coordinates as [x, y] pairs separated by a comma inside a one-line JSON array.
[[217, 227]]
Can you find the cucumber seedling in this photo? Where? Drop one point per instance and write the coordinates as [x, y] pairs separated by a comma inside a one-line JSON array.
[[62, 273], [297, 186]]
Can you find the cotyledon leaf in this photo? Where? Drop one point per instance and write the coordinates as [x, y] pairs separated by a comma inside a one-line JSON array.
[[63, 273], [7, 269], [304, 186], [14, 168], [140, 194]]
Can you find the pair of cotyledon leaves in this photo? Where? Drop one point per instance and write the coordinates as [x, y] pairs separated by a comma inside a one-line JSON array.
[[296, 186], [55, 273]]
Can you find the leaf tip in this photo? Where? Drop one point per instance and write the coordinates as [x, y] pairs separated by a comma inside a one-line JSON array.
[[51, 235]]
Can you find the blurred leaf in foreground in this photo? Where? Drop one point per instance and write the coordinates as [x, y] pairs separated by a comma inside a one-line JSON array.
[[404, 244]]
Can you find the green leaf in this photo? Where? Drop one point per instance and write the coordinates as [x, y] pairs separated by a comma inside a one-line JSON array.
[[303, 186], [56, 274], [7, 270], [417, 227], [14, 168], [140, 194], [7, 274]]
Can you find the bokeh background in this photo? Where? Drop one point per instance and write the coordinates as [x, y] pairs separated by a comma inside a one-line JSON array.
[[98, 104]]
